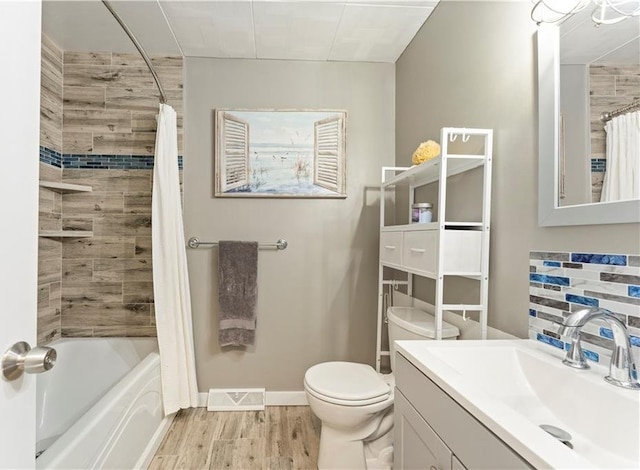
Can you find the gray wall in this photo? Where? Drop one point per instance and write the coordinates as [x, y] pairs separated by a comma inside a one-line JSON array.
[[318, 299], [473, 65]]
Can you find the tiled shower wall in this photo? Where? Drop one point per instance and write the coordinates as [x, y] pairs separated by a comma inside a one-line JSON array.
[[50, 204], [563, 282], [611, 87], [108, 122]]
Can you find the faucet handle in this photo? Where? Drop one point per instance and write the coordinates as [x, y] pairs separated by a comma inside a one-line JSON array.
[[575, 356]]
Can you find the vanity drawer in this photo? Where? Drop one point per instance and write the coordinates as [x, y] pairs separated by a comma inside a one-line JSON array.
[[420, 249], [391, 248]]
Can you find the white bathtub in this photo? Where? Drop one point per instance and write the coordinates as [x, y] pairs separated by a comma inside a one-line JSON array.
[[100, 406]]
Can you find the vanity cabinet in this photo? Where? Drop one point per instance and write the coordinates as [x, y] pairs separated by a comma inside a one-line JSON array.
[[443, 247], [432, 431]]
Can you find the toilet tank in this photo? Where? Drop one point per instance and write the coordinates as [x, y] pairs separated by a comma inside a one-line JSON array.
[[413, 323]]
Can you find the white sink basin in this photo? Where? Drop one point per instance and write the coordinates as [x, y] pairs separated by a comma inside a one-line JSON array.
[[514, 386]]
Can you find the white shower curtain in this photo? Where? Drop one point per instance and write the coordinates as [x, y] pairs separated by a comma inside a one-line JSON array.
[[170, 277], [622, 176]]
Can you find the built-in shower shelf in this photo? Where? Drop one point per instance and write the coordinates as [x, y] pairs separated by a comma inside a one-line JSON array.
[[65, 187], [66, 234]]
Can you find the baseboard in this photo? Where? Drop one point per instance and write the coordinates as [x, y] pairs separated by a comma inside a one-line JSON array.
[[273, 399], [286, 399], [154, 444]]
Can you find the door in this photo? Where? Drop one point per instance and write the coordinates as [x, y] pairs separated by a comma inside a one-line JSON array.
[[19, 138]]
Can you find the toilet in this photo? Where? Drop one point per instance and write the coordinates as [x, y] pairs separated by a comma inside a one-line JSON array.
[[355, 403]]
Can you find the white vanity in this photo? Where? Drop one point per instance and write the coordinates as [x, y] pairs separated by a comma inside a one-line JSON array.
[[479, 404]]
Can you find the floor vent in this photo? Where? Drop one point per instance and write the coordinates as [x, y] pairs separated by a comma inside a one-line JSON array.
[[236, 399]]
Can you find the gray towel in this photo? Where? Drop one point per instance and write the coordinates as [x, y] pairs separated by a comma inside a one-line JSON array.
[[237, 292]]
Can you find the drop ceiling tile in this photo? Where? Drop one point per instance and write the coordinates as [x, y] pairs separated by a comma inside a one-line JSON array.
[[212, 29], [397, 3], [376, 33], [295, 30], [584, 43], [88, 26]]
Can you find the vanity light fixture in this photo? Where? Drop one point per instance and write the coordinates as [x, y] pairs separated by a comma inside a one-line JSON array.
[[604, 11]]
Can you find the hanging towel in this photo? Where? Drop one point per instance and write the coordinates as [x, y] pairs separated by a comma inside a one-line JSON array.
[[237, 292]]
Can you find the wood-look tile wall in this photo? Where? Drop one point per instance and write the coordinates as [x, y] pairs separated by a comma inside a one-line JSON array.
[[111, 102], [107, 287], [99, 103], [50, 204], [611, 88]]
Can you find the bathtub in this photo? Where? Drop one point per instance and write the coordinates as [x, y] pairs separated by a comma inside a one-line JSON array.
[[100, 406]]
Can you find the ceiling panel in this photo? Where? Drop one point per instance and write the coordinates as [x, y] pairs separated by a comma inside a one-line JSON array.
[[295, 30], [581, 42], [213, 29], [376, 33], [346, 30], [88, 26]]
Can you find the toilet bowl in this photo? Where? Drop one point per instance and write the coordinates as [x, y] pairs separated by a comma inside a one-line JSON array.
[[355, 403]]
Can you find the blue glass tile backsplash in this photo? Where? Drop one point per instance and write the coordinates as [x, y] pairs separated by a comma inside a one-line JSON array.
[[562, 282], [101, 162]]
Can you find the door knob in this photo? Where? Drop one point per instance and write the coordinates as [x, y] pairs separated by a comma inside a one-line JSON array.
[[21, 358]]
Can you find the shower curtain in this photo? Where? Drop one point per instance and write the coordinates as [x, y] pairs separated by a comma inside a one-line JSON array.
[[622, 176], [170, 277]]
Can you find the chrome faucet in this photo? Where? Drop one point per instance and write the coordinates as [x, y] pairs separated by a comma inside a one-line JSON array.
[[622, 370]]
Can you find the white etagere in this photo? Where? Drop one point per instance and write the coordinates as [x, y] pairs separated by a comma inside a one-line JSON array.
[[443, 247]]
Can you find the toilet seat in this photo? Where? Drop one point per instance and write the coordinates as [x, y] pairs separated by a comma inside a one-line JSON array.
[[346, 383]]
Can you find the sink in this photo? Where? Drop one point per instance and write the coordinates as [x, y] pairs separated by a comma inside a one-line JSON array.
[[514, 386]]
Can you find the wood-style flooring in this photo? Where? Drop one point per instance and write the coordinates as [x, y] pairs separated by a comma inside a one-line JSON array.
[[281, 437]]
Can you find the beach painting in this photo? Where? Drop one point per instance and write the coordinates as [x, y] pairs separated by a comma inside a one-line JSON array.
[[283, 153]]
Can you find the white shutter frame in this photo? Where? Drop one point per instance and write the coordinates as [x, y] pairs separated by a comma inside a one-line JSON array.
[[328, 154], [233, 152]]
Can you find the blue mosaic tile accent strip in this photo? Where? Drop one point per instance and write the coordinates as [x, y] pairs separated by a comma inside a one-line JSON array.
[[50, 157], [616, 260], [111, 162], [598, 165], [100, 162], [544, 279], [610, 281], [578, 299], [550, 341]]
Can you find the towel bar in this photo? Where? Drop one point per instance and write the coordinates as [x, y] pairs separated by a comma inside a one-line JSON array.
[[281, 244]]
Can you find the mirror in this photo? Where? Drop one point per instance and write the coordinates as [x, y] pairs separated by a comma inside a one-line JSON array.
[[579, 68]]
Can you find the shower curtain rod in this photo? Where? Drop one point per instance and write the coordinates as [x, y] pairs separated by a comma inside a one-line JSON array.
[[608, 116], [134, 40]]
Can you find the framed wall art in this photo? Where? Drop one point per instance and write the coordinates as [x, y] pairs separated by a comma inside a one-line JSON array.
[[280, 153]]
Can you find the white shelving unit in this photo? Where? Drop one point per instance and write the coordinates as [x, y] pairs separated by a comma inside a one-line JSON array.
[[444, 247]]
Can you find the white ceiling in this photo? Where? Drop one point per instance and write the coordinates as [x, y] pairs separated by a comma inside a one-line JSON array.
[[581, 42], [340, 30]]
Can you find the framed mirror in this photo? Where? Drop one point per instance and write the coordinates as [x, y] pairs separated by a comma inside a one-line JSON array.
[[569, 190]]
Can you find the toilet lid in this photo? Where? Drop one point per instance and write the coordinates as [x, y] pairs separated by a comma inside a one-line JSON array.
[[346, 383]]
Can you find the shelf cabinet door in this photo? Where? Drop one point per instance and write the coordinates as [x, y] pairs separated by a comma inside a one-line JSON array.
[[391, 248], [417, 446]]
